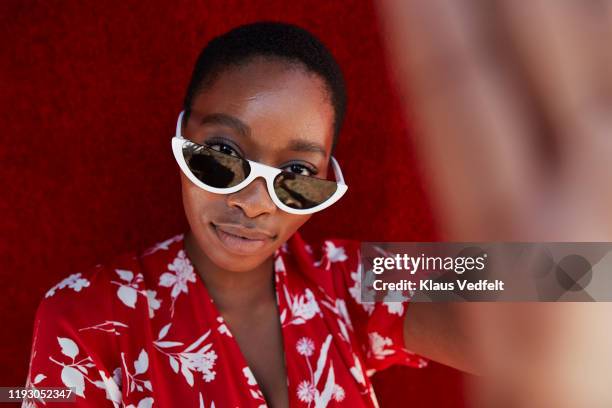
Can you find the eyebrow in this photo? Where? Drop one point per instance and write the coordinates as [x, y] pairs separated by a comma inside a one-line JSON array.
[[301, 145], [227, 120], [296, 145]]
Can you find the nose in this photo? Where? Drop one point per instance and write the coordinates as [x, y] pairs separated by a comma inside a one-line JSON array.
[[253, 200]]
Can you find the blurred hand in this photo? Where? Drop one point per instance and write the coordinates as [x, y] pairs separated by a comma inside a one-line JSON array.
[[511, 104]]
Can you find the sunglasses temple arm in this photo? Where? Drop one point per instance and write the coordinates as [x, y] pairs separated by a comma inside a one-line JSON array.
[[178, 124], [337, 170]]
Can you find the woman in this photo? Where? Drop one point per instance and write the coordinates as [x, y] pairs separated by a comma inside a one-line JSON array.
[[239, 311]]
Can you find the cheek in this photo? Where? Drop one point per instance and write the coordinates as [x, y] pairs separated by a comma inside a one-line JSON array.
[[195, 201]]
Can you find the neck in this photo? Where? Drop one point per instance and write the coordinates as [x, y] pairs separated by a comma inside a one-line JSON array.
[[233, 291]]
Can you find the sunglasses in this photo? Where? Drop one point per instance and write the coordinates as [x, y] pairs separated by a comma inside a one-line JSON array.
[[221, 173]]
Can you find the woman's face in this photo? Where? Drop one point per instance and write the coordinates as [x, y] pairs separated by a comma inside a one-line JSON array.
[[267, 111]]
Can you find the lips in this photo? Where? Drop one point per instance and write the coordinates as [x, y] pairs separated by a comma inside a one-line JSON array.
[[241, 240], [243, 232]]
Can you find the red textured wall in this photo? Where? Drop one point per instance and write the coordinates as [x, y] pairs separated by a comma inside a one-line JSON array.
[[89, 95]]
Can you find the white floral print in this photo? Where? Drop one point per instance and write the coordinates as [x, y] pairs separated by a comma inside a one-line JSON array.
[[306, 391], [202, 405], [338, 393], [305, 346], [355, 290], [153, 301], [146, 402], [379, 345], [395, 308], [108, 326], [333, 254], [136, 380], [343, 319], [75, 371], [117, 376], [130, 287], [165, 245], [113, 393], [279, 265], [222, 328], [301, 307], [357, 370], [181, 273], [74, 282], [253, 387], [189, 359], [31, 385]]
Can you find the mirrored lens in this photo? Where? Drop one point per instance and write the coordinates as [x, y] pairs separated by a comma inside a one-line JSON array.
[[214, 168], [302, 192]]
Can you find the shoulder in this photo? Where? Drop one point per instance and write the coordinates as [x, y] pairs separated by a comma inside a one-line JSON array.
[[126, 283], [79, 299]]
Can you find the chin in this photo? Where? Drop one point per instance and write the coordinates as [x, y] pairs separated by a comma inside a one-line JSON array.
[[234, 264]]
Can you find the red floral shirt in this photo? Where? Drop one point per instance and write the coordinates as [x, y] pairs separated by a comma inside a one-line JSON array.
[[143, 331]]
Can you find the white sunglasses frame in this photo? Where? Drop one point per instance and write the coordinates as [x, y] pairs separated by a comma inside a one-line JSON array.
[[257, 170]]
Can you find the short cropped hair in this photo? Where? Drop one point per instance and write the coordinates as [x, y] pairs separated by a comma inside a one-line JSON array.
[[275, 40]]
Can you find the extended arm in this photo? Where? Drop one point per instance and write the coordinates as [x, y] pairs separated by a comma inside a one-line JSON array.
[[439, 332]]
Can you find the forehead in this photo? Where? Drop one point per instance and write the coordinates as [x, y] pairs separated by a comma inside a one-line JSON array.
[[277, 100]]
